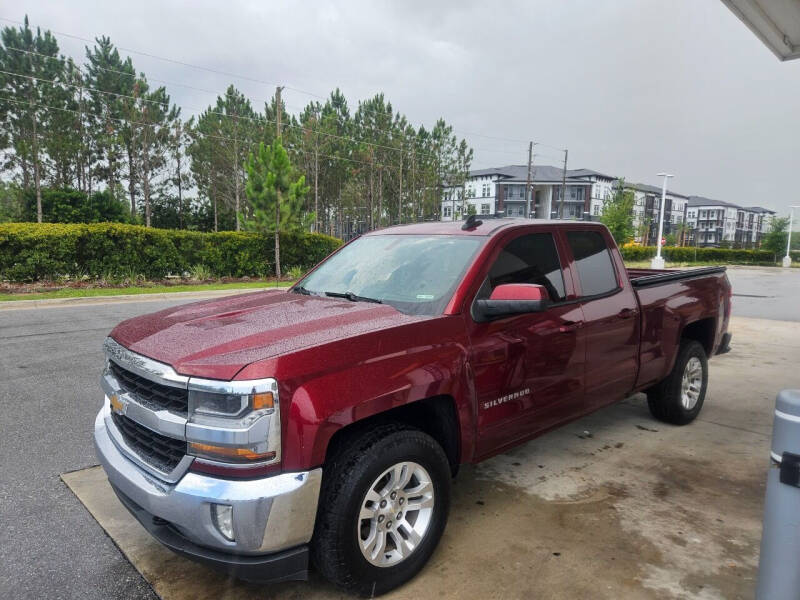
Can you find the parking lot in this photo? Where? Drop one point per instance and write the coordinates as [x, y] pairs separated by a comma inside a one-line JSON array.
[[613, 505]]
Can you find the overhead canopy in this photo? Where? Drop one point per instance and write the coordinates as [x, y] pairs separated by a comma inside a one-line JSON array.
[[775, 22]]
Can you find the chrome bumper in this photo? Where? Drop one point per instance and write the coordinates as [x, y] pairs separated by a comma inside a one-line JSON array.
[[269, 514]]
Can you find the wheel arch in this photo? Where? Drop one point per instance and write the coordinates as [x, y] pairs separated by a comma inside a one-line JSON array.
[[437, 416], [702, 331]]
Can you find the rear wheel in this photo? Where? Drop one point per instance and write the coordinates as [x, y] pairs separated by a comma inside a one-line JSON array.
[[679, 398], [383, 507]]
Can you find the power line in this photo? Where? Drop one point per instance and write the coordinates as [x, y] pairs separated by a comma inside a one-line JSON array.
[[197, 133], [247, 78], [237, 117]]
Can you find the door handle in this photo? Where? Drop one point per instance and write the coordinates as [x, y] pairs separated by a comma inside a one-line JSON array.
[[626, 313], [569, 326]]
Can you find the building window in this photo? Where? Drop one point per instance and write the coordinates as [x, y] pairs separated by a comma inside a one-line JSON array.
[[447, 211], [485, 209], [596, 210]]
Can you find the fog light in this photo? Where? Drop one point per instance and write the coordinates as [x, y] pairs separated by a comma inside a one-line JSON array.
[[222, 515]]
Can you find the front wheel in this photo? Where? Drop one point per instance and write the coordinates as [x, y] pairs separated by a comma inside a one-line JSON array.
[[679, 397], [383, 507]]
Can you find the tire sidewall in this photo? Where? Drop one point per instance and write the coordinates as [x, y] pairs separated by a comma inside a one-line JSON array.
[[693, 349], [405, 447]]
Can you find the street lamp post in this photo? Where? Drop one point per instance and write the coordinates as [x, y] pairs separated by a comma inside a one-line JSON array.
[[787, 260], [658, 261]]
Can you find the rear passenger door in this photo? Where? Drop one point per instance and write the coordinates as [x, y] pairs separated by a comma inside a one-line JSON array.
[[611, 316], [528, 369]]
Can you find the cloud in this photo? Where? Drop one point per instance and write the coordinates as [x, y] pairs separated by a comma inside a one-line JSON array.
[[630, 87]]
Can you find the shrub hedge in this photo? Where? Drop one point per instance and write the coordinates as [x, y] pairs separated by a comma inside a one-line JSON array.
[[31, 251], [715, 255]]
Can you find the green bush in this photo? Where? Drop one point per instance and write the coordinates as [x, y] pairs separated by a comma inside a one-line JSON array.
[[691, 254], [30, 251], [65, 205]]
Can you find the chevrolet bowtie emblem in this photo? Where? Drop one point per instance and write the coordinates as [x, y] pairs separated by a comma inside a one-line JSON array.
[[116, 404]]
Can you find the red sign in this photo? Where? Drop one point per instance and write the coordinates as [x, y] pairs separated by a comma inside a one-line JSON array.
[[663, 241]]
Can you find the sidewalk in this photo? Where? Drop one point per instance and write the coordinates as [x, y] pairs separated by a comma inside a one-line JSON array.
[[201, 295]]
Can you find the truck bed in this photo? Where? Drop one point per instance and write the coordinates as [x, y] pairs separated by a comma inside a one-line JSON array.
[[646, 277], [670, 300]]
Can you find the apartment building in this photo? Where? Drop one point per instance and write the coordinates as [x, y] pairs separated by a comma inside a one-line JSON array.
[[602, 188], [501, 191], [715, 222], [647, 209]]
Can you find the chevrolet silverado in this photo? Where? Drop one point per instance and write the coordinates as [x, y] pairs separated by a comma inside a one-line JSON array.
[[323, 424]]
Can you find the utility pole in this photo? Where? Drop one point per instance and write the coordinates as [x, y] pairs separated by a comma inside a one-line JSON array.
[[787, 260], [658, 262], [278, 195], [563, 187], [528, 182]]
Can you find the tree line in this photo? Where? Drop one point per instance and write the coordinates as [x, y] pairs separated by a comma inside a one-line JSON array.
[[102, 134]]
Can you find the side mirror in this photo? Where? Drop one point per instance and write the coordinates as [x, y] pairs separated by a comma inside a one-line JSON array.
[[514, 299]]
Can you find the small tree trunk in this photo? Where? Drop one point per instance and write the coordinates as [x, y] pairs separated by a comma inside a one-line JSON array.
[[371, 199], [316, 187], [36, 174], [214, 201], [236, 172], [146, 191], [278, 236], [380, 197], [131, 181]]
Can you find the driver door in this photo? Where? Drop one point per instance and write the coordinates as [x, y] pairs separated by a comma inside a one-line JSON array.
[[528, 369]]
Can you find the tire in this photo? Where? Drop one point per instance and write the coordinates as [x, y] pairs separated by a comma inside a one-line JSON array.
[[670, 401], [358, 468]]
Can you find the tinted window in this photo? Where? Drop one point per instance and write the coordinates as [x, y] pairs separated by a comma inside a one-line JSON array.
[[595, 270], [529, 259]]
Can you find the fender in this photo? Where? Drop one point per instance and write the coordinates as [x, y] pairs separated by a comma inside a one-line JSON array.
[[327, 387]]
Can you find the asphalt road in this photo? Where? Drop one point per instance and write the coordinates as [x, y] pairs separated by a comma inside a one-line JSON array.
[[50, 362], [766, 293]]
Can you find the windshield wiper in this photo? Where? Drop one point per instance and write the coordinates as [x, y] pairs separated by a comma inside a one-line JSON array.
[[301, 290], [352, 297]]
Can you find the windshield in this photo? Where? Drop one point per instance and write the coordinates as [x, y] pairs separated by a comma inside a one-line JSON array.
[[416, 274]]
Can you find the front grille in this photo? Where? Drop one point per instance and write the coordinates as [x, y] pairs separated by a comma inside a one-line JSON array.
[[150, 394], [162, 452]]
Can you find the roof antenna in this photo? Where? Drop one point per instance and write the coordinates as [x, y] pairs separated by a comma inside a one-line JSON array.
[[471, 223]]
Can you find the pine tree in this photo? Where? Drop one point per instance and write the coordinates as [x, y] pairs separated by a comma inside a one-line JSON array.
[[34, 60], [271, 181]]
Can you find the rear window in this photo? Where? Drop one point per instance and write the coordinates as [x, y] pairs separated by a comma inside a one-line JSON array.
[[593, 261]]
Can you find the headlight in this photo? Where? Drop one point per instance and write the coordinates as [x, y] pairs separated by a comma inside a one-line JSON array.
[[218, 404], [235, 423]]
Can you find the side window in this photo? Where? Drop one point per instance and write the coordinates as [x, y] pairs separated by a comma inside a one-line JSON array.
[[528, 259], [593, 260]]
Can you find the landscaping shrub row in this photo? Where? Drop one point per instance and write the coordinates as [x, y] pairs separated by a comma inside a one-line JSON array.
[[31, 251], [715, 255]]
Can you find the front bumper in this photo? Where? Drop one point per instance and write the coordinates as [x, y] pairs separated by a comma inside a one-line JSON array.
[[270, 515]]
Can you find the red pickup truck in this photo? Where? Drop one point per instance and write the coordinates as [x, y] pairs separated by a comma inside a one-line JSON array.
[[326, 422]]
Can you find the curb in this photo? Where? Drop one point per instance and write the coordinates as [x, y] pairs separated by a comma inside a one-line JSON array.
[[125, 298]]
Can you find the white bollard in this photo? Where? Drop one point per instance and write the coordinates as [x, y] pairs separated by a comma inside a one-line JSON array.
[[778, 570]]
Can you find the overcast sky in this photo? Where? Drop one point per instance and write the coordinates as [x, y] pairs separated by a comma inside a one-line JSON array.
[[630, 87]]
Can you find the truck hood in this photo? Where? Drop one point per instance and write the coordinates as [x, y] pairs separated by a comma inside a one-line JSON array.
[[217, 338]]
